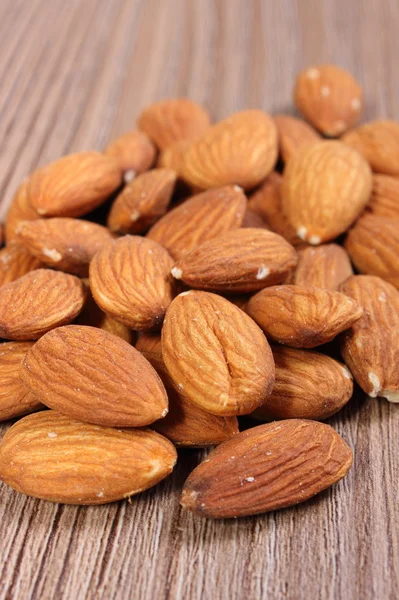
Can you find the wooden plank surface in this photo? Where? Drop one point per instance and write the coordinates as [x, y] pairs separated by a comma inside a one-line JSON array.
[[73, 74]]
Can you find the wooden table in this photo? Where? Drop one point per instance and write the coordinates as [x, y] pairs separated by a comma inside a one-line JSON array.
[[72, 75]]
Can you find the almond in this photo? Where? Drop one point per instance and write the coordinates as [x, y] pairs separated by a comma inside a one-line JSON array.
[[326, 266], [200, 218], [329, 97], [370, 347], [308, 385], [20, 210], [1, 234], [134, 152], [93, 316], [63, 244], [173, 120], [185, 424], [94, 376], [73, 185], [216, 355], [130, 280], [373, 245], [302, 317], [38, 302], [378, 142], [325, 188], [53, 457], [172, 157], [384, 201], [16, 261], [242, 149], [15, 398], [241, 260], [253, 220], [142, 202], [293, 133], [267, 467]]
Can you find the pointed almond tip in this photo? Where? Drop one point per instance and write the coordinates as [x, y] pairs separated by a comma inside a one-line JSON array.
[[188, 499]]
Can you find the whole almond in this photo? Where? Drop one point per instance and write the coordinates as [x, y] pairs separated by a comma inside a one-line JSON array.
[[267, 467], [16, 261], [130, 280], [326, 266], [63, 244], [20, 210], [38, 302], [73, 185], [308, 385], [325, 188], [329, 97], [15, 398], [173, 120], [370, 347], [373, 245], [378, 142], [142, 202], [53, 457], [384, 201], [134, 152], [203, 217], [293, 133], [216, 355], [240, 150], [95, 376], [302, 317], [242, 260]]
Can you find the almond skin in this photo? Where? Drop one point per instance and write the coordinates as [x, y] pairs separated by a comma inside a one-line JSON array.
[[373, 245], [134, 152], [293, 133], [142, 202], [308, 385], [93, 316], [73, 185], [185, 424], [326, 266], [15, 398], [216, 355], [370, 347], [325, 188], [94, 376], [16, 261], [172, 157], [240, 150], [53, 457], [174, 120], [267, 467], [253, 220], [63, 244], [130, 280], [38, 302], [378, 142], [384, 201], [329, 97], [241, 260], [203, 217], [20, 210], [302, 317]]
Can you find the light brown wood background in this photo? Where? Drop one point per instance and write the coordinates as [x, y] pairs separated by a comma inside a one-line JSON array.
[[74, 73]]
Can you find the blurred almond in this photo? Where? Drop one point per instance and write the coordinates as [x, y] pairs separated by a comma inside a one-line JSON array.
[[253, 220], [20, 210], [172, 157], [16, 261], [293, 133], [134, 152], [378, 142], [326, 266], [1, 234], [384, 201]]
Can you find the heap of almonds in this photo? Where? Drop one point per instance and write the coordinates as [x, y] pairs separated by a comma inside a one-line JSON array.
[[213, 265]]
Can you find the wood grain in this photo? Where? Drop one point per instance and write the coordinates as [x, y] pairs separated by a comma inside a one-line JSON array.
[[72, 75]]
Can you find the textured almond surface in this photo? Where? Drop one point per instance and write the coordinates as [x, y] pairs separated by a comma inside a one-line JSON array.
[[73, 185], [94, 376], [130, 280], [241, 260], [38, 302], [20, 210], [200, 218], [302, 317], [329, 97], [325, 188], [216, 355], [63, 244], [326, 266], [173, 120], [15, 398], [53, 457], [293, 133], [384, 201], [267, 467], [308, 385], [242, 149], [371, 347], [373, 245], [16, 261], [378, 142], [134, 152], [142, 202]]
